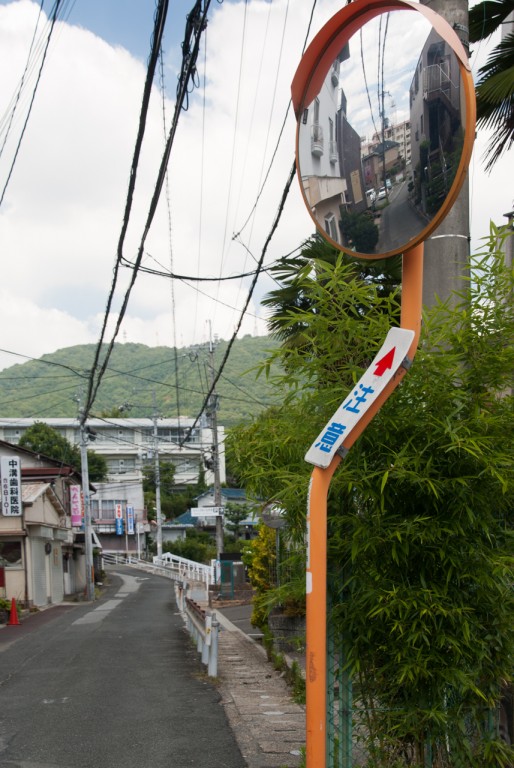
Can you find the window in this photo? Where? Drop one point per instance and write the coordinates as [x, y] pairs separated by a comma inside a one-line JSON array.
[[331, 226], [108, 511], [187, 466], [11, 554], [121, 466], [316, 111], [176, 435], [12, 435], [147, 435], [115, 435]]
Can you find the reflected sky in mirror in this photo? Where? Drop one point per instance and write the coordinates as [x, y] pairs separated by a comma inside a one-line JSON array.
[[380, 145]]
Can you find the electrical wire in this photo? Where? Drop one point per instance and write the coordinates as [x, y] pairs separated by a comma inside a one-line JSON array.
[[49, 37], [22, 81], [236, 235], [187, 72], [250, 293], [202, 157], [173, 276], [170, 244], [158, 31], [234, 137]]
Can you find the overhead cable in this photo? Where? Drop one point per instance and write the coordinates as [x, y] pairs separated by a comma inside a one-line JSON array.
[[22, 82], [237, 234], [188, 70], [54, 19], [248, 298], [159, 20]]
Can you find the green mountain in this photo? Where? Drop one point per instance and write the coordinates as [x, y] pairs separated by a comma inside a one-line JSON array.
[[147, 378]]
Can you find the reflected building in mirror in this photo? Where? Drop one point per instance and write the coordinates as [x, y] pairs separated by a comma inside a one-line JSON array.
[[329, 148], [383, 156], [437, 116]]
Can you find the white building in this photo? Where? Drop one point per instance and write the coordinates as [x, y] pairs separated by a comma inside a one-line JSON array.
[[399, 133], [128, 445], [324, 188]]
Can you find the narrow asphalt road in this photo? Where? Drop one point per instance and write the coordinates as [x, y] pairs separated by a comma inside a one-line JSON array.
[[113, 684]]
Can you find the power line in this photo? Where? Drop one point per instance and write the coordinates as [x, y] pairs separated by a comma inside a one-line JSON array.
[[159, 19], [238, 233], [170, 243], [250, 293], [54, 19], [196, 27], [22, 82]]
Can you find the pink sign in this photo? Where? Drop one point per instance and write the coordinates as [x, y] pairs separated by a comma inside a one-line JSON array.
[[76, 505]]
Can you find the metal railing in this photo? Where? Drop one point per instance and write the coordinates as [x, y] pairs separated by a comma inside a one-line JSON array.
[[170, 566], [203, 628], [187, 568]]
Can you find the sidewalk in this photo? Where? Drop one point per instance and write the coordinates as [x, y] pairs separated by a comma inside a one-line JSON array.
[[268, 725]]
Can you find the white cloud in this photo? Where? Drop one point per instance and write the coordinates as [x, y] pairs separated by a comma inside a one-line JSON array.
[[62, 214]]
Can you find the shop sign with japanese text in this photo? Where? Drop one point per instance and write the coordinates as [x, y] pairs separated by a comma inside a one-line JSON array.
[[10, 472]]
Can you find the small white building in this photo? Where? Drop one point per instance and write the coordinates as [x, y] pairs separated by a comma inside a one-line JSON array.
[[41, 560]]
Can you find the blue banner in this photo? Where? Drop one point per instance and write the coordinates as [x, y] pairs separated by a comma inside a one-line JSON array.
[[130, 520], [119, 526]]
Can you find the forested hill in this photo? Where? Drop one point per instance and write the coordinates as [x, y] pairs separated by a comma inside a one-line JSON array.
[[141, 375]]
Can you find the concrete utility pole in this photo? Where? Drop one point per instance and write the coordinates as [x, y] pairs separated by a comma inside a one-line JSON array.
[[157, 471], [447, 249], [84, 471], [212, 408]]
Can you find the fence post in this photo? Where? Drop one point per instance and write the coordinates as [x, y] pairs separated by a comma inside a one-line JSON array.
[[206, 649], [212, 669]]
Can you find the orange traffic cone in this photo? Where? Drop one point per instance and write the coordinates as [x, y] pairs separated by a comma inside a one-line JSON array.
[[13, 616]]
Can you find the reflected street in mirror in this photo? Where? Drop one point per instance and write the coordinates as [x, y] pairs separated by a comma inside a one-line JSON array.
[[380, 144]]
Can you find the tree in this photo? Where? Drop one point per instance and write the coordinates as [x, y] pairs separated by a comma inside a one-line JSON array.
[[359, 230], [41, 438], [420, 519], [197, 546], [495, 88], [234, 515]]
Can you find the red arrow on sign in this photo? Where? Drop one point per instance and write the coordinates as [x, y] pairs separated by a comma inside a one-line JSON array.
[[385, 363]]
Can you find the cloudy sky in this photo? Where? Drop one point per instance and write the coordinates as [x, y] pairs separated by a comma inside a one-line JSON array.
[[63, 205]]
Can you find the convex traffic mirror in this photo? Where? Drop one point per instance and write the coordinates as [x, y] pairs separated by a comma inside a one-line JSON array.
[[386, 119]]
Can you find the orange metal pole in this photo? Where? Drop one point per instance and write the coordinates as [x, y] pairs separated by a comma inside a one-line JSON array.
[[316, 617], [316, 572]]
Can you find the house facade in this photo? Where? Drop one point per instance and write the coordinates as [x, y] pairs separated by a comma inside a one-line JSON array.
[[41, 557]]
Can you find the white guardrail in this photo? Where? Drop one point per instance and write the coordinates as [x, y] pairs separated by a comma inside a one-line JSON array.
[[171, 566], [203, 628], [188, 569]]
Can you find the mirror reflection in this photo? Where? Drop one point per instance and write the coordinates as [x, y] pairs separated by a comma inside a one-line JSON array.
[[380, 144]]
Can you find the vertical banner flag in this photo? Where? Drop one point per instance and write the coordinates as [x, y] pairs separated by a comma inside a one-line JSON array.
[[11, 486], [130, 519], [76, 505], [119, 519]]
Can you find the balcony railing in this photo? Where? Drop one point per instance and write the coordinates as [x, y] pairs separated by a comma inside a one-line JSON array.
[[436, 78], [317, 142]]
